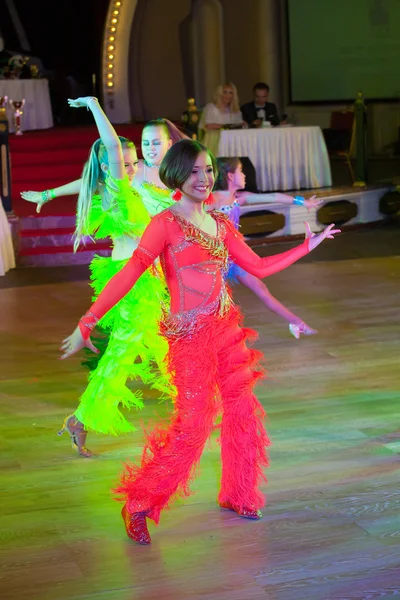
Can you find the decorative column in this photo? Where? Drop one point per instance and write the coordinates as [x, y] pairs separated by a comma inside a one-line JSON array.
[[208, 48], [270, 53], [115, 60]]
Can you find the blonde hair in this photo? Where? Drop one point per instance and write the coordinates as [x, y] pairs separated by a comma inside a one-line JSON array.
[[93, 179], [217, 99], [170, 129]]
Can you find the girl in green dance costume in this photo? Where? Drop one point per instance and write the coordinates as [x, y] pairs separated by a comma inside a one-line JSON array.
[[110, 206]]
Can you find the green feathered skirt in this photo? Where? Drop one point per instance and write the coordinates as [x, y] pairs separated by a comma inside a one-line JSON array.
[[131, 348]]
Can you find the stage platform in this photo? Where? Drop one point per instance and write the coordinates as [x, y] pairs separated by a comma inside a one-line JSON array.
[[50, 158], [346, 206], [47, 240]]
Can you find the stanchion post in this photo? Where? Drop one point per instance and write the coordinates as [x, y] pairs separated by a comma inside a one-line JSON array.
[[360, 115], [5, 178]]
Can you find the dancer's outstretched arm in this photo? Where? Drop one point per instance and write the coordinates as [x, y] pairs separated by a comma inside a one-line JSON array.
[[243, 256], [151, 245], [40, 198], [278, 198], [258, 287], [109, 138]]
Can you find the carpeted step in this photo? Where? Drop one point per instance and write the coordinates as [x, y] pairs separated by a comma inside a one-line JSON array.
[[39, 222], [60, 207], [45, 241], [35, 143], [45, 238], [60, 137], [78, 155], [60, 259], [41, 241], [54, 231], [47, 159], [89, 247], [68, 171]]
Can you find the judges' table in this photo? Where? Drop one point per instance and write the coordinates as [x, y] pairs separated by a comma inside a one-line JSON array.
[[285, 158], [37, 109]]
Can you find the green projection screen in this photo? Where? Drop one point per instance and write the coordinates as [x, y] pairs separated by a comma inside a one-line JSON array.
[[340, 47]]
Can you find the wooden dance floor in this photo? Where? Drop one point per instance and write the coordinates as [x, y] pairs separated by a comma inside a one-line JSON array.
[[331, 529]]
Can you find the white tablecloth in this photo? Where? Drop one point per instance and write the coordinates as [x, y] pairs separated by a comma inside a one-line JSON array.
[[285, 158], [7, 258], [37, 109]]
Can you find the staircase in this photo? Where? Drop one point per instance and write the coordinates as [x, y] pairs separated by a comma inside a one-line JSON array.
[[43, 160]]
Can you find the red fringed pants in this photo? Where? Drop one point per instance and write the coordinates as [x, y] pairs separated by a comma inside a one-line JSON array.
[[212, 369]]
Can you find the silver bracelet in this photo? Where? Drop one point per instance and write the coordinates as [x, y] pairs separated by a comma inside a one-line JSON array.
[[91, 100], [89, 325]]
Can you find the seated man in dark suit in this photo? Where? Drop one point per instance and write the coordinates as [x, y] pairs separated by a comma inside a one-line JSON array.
[[259, 110]]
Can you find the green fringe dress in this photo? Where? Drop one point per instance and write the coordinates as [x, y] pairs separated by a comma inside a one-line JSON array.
[[131, 346]]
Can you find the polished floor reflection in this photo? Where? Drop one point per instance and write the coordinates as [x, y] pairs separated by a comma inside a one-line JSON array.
[[331, 530]]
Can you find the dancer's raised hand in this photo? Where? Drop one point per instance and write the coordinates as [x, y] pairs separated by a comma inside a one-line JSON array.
[[75, 342], [81, 102], [316, 238]]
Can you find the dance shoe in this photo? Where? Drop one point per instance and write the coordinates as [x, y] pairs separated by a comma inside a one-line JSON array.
[[246, 513], [303, 328], [77, 434], [136, 526]]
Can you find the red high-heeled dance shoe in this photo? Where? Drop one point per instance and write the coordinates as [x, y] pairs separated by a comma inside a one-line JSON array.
[[77, 434], [246, 513], [136, 526]]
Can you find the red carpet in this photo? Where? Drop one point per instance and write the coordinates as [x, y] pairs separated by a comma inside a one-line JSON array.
[[49, 158]]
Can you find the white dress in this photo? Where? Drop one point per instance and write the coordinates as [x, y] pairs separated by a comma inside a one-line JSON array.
[[213, 114]]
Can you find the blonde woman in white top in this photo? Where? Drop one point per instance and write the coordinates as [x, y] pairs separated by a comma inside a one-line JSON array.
[[222, 112]]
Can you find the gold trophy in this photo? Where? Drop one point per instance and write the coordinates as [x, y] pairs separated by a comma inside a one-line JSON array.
[[3, 105], [17, 105], [191, 117], [34, 71]]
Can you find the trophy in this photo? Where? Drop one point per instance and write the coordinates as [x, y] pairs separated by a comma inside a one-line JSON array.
[[17, 105], [3, 105], [34, 71], [191, 117]]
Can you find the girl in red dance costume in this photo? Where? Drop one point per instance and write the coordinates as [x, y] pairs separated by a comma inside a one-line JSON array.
[[208, 358]]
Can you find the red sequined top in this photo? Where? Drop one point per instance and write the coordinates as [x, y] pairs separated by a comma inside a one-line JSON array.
[[193, 263]]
